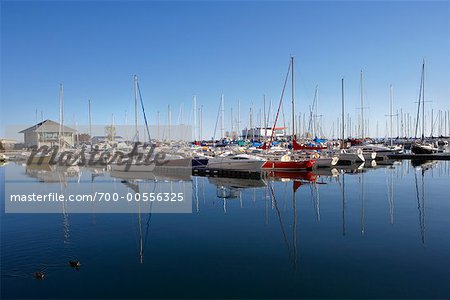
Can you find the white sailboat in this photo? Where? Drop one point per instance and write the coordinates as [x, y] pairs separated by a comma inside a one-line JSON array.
[[240, 162], [135, 163], [422, 147]]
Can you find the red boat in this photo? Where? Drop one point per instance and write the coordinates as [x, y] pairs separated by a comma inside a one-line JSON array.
[[289, 165]]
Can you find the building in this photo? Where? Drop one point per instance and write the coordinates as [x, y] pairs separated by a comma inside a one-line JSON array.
[[48, 133], [261, 133]]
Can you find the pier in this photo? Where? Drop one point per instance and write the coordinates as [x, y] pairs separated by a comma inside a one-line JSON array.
[[207, 172], [412, 156]]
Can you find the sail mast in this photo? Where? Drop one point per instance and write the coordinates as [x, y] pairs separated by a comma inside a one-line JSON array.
[[343, 117], [222, 121], [390, 114], [292, 90], [423, 99], [362, 107], [136, 109], [265, 119], [195, 115], [90, 122], [61, 112], [239, 119]]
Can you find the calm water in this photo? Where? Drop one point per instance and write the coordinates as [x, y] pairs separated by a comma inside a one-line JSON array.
[[381, 233]]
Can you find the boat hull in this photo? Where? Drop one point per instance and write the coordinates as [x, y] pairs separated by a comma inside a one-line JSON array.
[[199, 162], [350, 158], [326, 162], [289, 165], [370, 155], [423, 149], [254, 166]]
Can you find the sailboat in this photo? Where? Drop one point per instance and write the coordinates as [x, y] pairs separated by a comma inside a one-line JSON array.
[[133, 163], [288, 162], [345, 156], [422, 147]]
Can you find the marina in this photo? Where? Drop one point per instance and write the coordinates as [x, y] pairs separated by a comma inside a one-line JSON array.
[[225, 150]]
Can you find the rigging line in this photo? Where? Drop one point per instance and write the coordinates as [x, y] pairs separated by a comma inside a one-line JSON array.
[[143, 111], [281, 100]]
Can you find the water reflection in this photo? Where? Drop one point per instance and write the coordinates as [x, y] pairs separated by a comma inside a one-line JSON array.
[[52, 173], [292, 224]]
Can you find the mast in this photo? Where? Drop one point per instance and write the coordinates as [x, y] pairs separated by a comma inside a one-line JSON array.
[[390, 114], [432, 125], [293, 100], [318, 119], [362, 107], [265, 119], [222, 111], [423, 99], [90, 121], [201, 123], [61, 124], [232, 123], [157, 117], [195, 115], [251, 122], [343, 115], [239, 118], [136, 132], [113, 131], [168, 120]]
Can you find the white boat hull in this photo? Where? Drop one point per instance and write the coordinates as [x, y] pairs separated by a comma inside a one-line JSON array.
[[226, 164], [351, 158], [326, 162]]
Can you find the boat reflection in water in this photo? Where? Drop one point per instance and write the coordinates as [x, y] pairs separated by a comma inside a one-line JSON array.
[[52, 173], [287, 175], [231, 188], [158, 173], [421, 166]]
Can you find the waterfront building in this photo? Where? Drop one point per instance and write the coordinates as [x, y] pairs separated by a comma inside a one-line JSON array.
[[48, 133]]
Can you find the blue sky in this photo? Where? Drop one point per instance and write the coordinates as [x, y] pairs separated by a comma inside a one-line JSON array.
[[241, 49]]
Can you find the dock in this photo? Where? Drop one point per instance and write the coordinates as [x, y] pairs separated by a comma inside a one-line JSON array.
[[412, 156], [207, 172]]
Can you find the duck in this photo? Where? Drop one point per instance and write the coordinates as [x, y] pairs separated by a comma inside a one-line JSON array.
[[74, 263]]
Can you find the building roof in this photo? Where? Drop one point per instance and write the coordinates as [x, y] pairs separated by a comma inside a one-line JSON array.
[[47, 126]]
